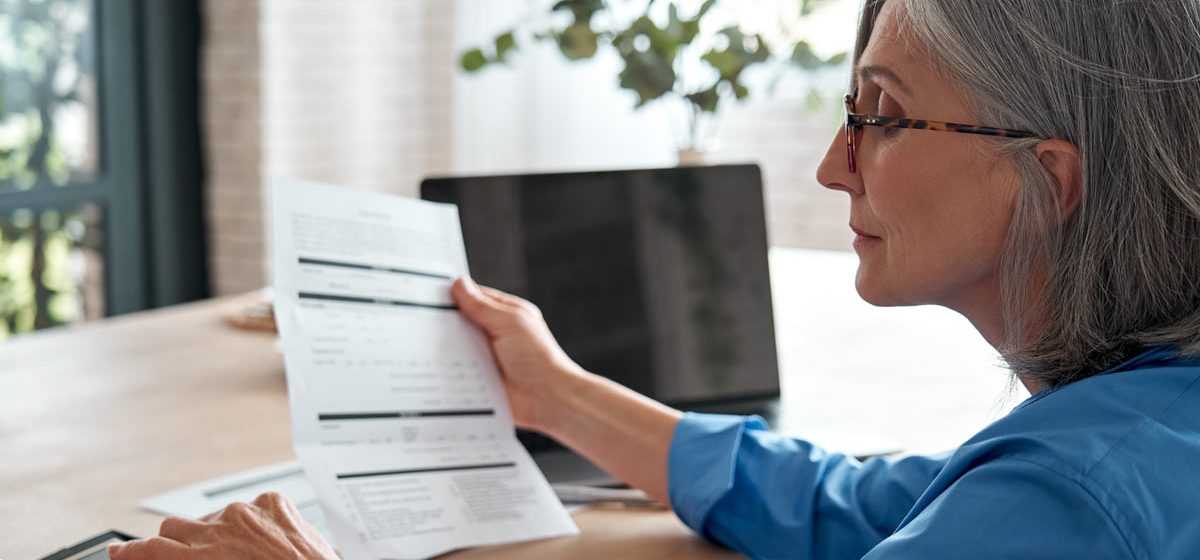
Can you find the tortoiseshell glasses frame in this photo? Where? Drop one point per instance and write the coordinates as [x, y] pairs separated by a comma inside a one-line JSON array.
[[856, 121]]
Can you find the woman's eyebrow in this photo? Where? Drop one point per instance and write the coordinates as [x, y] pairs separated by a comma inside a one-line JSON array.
[[872, 71]]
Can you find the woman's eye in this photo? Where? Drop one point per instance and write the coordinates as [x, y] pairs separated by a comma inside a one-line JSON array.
[[888, 106]]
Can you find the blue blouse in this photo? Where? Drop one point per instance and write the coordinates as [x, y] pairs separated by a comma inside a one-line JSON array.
[[1107, 467]]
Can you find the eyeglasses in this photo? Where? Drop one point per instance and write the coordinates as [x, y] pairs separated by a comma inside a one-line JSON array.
[[856, 121]]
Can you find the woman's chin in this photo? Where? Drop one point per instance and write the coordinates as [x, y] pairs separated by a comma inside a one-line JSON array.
[[870, 297], [863, 286], [872, 291]]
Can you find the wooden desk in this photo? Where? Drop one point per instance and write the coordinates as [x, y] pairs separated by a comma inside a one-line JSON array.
[[95, 418]]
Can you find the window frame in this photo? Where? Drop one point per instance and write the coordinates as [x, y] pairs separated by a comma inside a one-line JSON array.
[[148, 183]]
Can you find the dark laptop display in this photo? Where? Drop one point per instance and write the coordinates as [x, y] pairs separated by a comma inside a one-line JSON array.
[[655, 278]]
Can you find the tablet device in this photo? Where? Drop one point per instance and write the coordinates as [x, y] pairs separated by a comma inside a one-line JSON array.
[[95, 548]]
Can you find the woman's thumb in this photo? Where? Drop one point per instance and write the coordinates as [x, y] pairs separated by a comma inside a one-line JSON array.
[[476, 305]]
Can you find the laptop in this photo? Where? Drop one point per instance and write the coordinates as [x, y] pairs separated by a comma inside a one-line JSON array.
[[655, 278]]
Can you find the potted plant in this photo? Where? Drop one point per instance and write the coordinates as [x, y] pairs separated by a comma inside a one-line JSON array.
[[666, 52]]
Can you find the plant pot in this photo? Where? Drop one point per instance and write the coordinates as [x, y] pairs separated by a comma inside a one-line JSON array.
[[692, 157]]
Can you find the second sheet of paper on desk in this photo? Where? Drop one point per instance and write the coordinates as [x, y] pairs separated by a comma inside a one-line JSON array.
[[398, 414]]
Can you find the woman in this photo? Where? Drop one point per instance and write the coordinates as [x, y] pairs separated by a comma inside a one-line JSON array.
[[1067, 230]]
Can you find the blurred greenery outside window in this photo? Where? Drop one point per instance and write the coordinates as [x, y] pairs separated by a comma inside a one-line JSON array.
[[51, 261], [101, 205]]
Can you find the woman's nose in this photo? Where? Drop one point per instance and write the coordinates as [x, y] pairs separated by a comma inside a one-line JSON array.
[[834, 170]]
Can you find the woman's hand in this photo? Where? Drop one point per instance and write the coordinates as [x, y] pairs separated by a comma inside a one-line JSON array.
[[271, 528], [619, 430], [535, 369]]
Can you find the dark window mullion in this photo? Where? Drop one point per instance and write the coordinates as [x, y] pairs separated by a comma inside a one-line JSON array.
[[56, 197], [121, 174]]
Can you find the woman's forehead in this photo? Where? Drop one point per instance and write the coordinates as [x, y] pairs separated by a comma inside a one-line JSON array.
[[889, 43], [894, 54]]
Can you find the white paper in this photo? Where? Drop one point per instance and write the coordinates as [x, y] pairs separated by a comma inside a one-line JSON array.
[[399, 416], [202, 498]]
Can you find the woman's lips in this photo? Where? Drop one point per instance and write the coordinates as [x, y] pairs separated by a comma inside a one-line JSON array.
[[863, 239], [860, 232]]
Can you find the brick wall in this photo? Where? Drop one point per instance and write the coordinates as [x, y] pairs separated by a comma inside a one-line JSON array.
[[357, 92], [352, 92], [233, 146]]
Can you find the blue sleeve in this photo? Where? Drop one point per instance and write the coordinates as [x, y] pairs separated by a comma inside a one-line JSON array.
[[770, 496], [1011, 508]]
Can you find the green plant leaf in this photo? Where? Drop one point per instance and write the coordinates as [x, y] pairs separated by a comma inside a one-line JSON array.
[[739, 90], [706, 100], [581, 10], [473, 60], [578, 41], [505, 43], [803, 56], [647, 74], [836, 59], [741, 53], [680, 31], [660, 41], [727, 63], [762, 52]]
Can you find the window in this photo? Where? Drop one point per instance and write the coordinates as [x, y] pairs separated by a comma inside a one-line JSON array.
[[99, 160]]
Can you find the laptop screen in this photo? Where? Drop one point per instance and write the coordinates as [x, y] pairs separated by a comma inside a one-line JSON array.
[[655, 278]]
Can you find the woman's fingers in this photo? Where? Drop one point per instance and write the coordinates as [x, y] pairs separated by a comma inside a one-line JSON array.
[[156, 548], [180, 529], [269, 500], [504, 298], [270, 527], [281, 509], [497, 296]]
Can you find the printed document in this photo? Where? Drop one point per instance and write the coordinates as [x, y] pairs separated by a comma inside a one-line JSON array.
[[399, 417]]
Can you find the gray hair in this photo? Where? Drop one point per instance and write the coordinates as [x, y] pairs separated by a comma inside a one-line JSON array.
[[1121, 81]]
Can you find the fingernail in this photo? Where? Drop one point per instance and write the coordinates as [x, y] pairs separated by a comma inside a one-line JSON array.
[[114, 549]]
